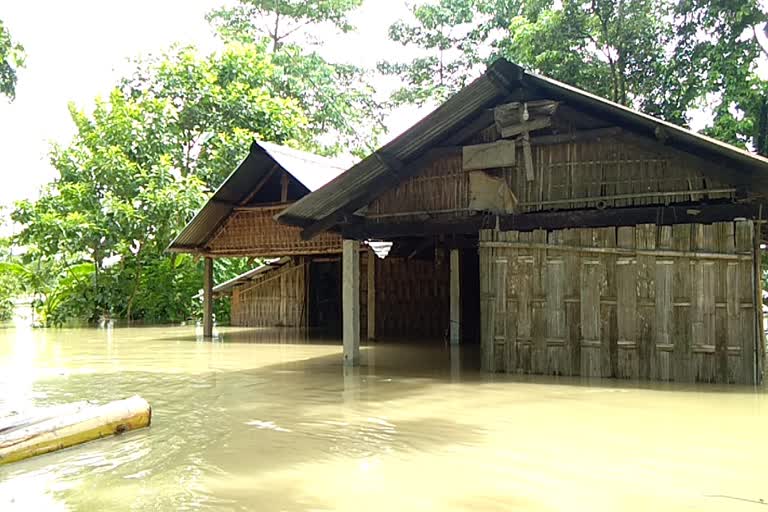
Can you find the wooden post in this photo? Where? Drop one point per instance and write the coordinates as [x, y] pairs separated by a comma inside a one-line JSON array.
[[455, 327], [283, 319], [371, 295], [208, 298], [350, 298], [284, 188]]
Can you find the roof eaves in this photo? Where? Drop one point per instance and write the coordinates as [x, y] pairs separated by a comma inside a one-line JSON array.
[[497, 82]]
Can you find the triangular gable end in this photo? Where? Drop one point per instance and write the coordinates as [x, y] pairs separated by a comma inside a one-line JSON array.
[[270, 177], [529, 144]]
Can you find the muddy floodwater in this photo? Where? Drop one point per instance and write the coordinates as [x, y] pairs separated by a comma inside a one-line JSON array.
[[271, 421]]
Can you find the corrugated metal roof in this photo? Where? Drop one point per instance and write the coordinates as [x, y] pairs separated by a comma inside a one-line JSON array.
[[443, 121], [311, 171], [501, 78], [649, 123], [268, 265]]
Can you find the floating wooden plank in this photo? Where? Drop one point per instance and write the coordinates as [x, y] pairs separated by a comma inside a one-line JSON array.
[[489, 156], [490, 194], [85, 424]]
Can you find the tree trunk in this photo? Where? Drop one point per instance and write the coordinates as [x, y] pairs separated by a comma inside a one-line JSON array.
[[761, 138]]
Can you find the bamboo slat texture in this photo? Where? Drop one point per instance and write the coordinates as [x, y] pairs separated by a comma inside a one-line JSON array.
[[610, 172], [412, 297], [256, 233], [277, 298], [645, 302]]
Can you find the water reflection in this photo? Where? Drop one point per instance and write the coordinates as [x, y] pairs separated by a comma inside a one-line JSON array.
[[271, 420]]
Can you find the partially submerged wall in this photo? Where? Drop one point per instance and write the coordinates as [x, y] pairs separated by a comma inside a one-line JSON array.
[[652, 302], [412, 297], [275, 299]]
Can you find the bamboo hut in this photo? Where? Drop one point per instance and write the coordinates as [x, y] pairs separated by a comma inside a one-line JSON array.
[[568, 234], [238, 221]]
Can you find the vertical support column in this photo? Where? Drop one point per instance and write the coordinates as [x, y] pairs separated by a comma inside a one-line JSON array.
[[284, 188], [283, 312], [371, 317], [350, 299], [455, 327], [208, 298]]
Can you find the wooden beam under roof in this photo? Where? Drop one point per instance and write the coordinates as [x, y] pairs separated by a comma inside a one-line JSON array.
[[631, 216]]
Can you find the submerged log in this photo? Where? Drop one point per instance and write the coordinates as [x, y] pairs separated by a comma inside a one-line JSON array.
[[82, 423]]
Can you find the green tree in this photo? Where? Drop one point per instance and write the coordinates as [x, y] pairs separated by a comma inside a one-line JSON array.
[[721, 37], [138, 167], [452, 39], [339, 100], [11, 59], [665, 57], [141, 163], [205, 110], [280, 20]]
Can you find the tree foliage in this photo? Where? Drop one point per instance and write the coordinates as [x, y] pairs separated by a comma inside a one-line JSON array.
[[280, 20], [144, 160], [11, 59], [339, 99], [665, 57]]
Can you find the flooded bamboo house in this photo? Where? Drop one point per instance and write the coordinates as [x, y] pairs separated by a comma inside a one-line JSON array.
[[299, 282], [238, 221], [567, 234]]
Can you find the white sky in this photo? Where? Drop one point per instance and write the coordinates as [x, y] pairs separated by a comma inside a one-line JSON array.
[[78, 49]]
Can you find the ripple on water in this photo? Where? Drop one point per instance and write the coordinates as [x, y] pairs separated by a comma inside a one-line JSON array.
[[258, 426]]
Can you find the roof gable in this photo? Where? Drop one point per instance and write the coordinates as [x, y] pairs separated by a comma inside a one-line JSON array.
[[467, 112], [308, 170]]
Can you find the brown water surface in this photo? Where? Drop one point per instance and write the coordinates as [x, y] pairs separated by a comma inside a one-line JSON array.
[[271, 421]]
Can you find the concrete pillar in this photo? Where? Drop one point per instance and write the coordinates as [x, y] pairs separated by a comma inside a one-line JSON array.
[[371, 317], [350, 301], [208, 298], [455, 329]]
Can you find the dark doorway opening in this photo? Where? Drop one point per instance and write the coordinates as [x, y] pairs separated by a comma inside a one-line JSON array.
[[469, 295], [324, 297]]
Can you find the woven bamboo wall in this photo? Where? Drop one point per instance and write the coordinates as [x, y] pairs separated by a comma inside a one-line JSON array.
[[645, 302], [256, 233], [566, 176], [412, 297], [277, 298]]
